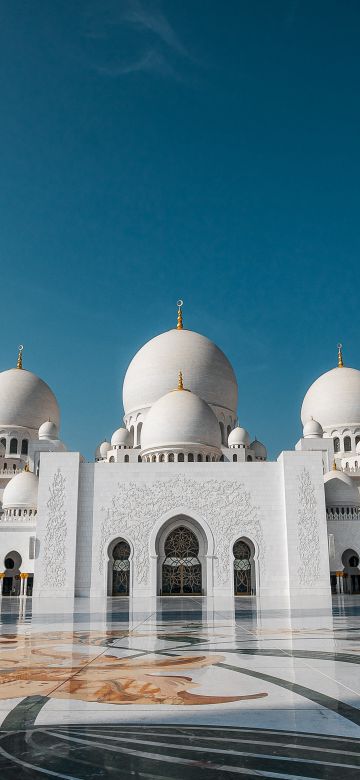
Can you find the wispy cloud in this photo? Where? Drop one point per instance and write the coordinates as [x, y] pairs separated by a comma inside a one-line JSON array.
[[132, 36]]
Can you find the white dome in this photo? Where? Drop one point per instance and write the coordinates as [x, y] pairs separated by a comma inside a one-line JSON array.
[[25, 400], [206, 369], [48, 430], [21, 492], [259, 449], [334, 399], [120, 438], [239, 437], [312, 429], [104, 448], [178, 419]]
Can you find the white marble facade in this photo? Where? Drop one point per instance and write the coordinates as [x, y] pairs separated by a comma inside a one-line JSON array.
[[181, 461]]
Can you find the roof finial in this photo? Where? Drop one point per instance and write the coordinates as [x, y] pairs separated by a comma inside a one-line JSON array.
[[19, 360], [179, 304], [340, 357], [180, 382], [334, 465]]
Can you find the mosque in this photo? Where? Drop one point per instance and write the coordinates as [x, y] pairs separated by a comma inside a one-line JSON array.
[[180, 501]]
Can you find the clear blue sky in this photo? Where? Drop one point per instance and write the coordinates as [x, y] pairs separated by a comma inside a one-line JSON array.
[[191, 148]]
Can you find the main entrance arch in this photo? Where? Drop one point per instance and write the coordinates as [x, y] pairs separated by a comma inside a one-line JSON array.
[[181, 569]]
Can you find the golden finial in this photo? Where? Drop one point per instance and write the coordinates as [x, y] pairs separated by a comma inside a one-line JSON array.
[[179, 304], [26, 467], [334, 466], [180, 382], [19, 360], [340, 357]]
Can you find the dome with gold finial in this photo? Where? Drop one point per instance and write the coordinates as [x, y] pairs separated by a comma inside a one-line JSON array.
[[151, 372], [333, 400], [181, 422], [25, 399]]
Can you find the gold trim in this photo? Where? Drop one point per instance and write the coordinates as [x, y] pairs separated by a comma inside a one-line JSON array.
[[19, 360], [340, 357]]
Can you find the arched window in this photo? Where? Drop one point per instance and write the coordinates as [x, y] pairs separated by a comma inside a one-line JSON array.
[[207, 458], [3, 441], [161, 458], [181, 457], [112, 459], [139, 459], [171, 457], [347, 444], [14, 466], [126, 459], [121, 569], [138, 433], [336, 444], [181, 570], [235, 458], [13, 446], [242, 568], [199, 458], [357, 439], [191, 457], [153, 459], [24, 447], [354, 561], [249, 458]]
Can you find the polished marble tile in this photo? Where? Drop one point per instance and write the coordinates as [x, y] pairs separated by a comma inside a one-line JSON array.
[[173, 686]]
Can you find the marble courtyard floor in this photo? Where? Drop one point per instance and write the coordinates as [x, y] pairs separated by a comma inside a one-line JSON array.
[[178, 689]]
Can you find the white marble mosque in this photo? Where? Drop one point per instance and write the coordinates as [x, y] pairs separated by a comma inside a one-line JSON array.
[[180, 501]]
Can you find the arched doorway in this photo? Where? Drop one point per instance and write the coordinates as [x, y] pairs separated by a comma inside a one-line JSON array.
[[350, 560], [120, 568], [243, 568], [12, 582], [181, 568]]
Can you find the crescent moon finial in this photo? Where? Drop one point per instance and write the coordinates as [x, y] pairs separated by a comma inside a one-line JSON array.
[[19, 360], [179, 304], [340, 356]]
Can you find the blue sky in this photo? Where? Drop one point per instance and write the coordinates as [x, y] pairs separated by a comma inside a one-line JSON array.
[[189, 148]]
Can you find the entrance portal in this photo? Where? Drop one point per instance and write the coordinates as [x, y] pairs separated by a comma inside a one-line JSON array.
[[121, 569], [242, 568], [181, 570]]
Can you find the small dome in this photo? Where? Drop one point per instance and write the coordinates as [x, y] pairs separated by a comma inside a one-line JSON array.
[[334, 399], [259, 449], [358, 448], [21, 492], [120, 438], [180, 418], [25, 400], [48, 430], [239, 437], [312, 430], [104, 448]]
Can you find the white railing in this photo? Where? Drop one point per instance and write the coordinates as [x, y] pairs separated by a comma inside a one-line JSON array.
[[343, 513]]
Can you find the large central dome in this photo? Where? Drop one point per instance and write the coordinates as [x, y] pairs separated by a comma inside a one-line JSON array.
[[152, 372]]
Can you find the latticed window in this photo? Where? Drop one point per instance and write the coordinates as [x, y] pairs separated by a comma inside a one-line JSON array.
[[336, 444], [242, 568], [181, 571], [121, 569], [347, 444]]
